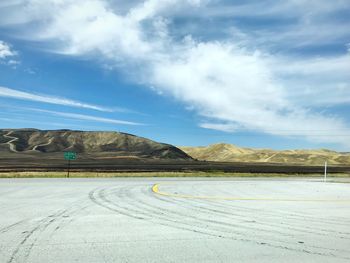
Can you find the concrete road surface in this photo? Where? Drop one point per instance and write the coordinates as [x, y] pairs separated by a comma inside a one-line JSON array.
[[176, 220]]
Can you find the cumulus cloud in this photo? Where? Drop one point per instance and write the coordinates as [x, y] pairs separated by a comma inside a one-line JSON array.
[[7, 55], [237, 87], [5, 50], [229, 83]]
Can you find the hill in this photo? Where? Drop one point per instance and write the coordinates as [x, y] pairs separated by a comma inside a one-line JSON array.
[[102, 144], [230, 153]]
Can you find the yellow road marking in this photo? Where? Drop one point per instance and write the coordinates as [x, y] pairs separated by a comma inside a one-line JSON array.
[[156, 190]]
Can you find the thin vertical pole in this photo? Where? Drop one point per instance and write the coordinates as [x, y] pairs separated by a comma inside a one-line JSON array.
[[325, 171], [68, 168]]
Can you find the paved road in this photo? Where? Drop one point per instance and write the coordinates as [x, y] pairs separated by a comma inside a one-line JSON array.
[[187, 220]]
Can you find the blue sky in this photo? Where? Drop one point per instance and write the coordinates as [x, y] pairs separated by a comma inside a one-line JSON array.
[[267, 74]]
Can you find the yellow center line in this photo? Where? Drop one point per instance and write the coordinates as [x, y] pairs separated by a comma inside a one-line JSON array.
[[155, 189]]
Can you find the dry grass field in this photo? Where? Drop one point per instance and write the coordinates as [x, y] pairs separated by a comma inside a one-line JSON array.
[[159, 174]]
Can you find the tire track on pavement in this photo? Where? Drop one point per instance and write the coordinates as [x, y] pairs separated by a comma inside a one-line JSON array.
[[122, 200], [24, 248]]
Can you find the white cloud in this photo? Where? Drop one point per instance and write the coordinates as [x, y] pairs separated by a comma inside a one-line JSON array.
[[86, 117], [237, 87], [16, 94], [13, 62], [219, 126], [6, 51], [235, 83], [320, 81], [283, 25], [7, 54]]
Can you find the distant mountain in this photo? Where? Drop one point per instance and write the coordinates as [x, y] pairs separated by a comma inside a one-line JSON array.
[[112, 144], [230, 153]]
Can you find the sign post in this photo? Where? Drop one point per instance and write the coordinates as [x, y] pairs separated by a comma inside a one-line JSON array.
[[69, 156]]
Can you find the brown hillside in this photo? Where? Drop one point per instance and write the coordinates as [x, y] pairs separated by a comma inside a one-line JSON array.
[[230, 153], [22, 141]]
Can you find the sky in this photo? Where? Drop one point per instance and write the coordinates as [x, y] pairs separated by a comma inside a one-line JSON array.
[[259, 73]]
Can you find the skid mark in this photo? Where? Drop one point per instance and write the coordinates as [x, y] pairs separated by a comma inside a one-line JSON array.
[[139, 202]]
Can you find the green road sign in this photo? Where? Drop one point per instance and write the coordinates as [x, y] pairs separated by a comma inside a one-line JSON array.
[[70, 155]]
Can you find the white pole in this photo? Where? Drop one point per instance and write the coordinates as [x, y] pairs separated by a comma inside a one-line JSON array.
[[325, 171]]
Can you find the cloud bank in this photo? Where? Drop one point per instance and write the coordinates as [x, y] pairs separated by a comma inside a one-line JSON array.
[[233, 82]]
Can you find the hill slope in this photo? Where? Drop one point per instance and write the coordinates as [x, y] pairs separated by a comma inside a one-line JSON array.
[[230, 153], [22, 141]]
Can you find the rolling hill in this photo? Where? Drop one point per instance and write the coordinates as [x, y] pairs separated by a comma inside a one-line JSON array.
[[110, 144], [230, 153]]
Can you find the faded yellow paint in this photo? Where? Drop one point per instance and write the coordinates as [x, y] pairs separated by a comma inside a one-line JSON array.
[[156, 190]]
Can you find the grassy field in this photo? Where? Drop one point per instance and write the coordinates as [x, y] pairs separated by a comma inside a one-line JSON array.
[[154, 174]]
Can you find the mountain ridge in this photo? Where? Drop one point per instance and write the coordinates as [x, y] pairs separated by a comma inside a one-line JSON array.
[[223, 152], [113, 143]]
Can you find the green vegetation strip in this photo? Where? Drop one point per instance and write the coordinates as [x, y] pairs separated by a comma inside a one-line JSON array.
[[153, 174]]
